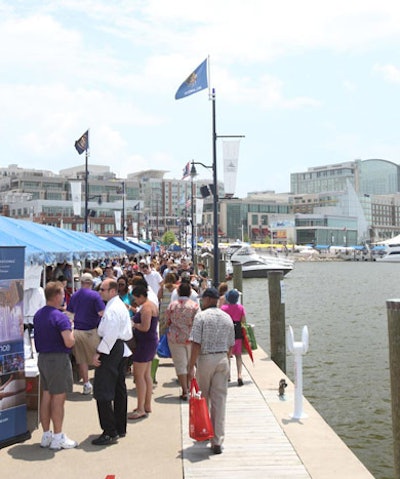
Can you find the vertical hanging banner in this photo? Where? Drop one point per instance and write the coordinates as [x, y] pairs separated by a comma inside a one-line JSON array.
[[199, 211], [231, 159], [13, 424], [76, 195], [117, 219]]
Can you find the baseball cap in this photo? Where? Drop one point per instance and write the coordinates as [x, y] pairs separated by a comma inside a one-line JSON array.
[[210, 293], [86, 278]]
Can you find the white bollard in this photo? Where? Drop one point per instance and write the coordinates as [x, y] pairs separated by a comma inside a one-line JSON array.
[[298, 348]]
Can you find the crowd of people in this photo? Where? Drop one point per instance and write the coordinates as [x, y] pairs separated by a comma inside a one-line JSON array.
[[111, 318]]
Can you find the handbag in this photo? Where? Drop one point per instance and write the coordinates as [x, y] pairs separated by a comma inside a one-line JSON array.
[[163, 348], [200, 426], [238, 329], [131, 343], [250, 334]]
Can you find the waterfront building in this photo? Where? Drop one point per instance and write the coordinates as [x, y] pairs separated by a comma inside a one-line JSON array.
[[370, 188], [324, 199], [151, 203]]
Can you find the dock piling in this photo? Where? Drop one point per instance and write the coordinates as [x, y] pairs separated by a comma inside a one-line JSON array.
[[277, 318], [393, 315]]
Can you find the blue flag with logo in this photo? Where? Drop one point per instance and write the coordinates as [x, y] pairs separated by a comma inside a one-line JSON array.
[[195, 82], [82, 144]]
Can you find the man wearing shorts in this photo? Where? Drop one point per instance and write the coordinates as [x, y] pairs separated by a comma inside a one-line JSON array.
[[87, 307], [53, 341]]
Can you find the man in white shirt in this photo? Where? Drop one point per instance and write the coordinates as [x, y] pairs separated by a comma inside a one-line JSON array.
[[109, 380], [152, 277]]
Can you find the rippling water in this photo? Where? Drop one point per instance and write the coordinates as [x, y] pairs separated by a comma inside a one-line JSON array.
[[346, 370]]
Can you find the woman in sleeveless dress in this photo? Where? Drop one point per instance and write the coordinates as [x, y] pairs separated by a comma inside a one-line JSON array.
[[145, 324]]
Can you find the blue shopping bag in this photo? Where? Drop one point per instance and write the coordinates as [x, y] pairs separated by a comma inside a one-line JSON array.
[[163, 348]]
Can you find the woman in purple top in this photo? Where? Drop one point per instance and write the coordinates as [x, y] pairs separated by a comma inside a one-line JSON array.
[[238, 314], [145, 324]]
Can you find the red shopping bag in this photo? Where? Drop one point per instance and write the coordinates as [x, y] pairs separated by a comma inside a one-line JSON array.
[[200, 427]]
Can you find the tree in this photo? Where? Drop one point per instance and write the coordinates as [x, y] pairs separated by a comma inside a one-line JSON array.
[[168, 238]]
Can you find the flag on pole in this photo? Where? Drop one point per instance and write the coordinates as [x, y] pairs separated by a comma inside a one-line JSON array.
[[195, 82], [82, 144], [186, 171]]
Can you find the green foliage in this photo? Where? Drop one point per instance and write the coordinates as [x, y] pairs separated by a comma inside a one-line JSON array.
[[168, 238]]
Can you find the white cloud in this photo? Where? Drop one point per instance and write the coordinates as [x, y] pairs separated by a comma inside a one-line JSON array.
[[390, 73]]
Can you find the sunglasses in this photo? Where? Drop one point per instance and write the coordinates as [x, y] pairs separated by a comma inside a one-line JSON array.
[[104, 289]]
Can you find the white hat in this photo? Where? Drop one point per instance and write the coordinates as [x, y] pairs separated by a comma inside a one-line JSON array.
[[86, 278]]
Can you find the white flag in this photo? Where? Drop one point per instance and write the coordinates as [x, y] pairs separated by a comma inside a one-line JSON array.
[[117, 216], [231, 158], [76, 194], [199, 211]]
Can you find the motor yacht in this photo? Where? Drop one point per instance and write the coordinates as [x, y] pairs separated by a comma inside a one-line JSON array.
[[253, 264]]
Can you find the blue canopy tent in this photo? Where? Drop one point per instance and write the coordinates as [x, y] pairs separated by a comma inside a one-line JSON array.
[[33, 254], [144, 245], [31, 234], [128, 247], [140, 247], [54, 244], [89, 245]]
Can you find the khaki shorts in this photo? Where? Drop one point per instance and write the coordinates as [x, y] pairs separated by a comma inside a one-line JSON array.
[[86, 343], [180, 356], [55, 372]]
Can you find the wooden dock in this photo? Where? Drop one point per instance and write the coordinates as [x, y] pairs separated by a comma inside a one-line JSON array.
[[261, 438]]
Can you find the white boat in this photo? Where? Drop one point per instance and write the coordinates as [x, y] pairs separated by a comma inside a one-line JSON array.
[[253, 264], [391, 254]]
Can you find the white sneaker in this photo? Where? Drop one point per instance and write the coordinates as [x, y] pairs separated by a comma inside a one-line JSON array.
[[46, 439], [87, 388], [62, 442]]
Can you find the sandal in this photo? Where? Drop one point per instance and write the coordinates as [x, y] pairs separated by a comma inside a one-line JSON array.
[[147, 411], [183, 397], [137, 415]]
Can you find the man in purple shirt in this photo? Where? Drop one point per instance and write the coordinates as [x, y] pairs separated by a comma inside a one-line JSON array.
[[53, 341], [87, 307]]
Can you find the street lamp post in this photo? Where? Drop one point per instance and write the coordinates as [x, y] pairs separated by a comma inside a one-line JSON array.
[[215, 186], [192, 196], [86, 190], [193, 173], [123, 211]]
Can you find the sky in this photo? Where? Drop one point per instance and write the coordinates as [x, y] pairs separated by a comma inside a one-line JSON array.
[[306, 83]]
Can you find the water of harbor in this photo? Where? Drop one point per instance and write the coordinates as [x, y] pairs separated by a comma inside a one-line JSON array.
[[346, 370]]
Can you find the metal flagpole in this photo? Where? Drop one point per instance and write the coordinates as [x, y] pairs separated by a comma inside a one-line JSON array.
[[86, 190], [215, 193]]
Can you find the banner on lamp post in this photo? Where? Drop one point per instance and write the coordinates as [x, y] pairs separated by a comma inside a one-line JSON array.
[[199, 211], [231, 159], [117, 217], [76, 195]]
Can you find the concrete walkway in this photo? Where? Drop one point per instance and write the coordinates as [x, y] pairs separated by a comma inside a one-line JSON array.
[[261, 439]]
